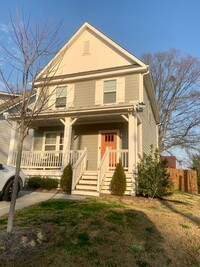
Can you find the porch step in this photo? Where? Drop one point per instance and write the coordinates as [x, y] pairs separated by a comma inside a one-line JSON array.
[[88, 181], [106, 185], [87, 185], [85, 193]]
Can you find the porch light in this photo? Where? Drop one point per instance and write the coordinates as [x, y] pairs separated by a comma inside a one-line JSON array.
[[140, 106]]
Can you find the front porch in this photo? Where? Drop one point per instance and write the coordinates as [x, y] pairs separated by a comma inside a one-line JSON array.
[[85, 182]]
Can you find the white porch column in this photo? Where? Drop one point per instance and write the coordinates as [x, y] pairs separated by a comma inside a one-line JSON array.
[[12, 145], [132, 142], [66, 141], [68, 122], [132, 148]]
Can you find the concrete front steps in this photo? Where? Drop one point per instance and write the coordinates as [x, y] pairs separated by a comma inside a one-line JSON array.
[[87, 185]]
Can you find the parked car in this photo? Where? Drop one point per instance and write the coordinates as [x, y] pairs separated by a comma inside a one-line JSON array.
[[7, 174]]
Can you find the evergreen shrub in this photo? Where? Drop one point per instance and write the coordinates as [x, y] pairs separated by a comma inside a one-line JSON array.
[[118, 182], [66, 179], [153, 179], [36, 182]]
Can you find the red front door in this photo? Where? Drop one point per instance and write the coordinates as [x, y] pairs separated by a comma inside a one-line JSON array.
[[108, 140]]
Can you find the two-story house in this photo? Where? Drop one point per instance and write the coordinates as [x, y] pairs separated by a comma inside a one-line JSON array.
[[101, 108]]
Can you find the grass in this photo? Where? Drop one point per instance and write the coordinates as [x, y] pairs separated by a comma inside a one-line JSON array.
[[105, 233]]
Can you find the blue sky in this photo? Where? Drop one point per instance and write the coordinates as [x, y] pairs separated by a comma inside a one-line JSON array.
[[140, 26]]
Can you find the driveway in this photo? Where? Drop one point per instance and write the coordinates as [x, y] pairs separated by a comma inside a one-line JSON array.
[[28, 198]]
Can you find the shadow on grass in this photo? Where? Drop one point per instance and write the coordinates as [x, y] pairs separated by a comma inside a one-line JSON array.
[[187, 215], [91, 233]]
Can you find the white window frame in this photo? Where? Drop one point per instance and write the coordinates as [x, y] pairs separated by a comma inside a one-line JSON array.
[[58, 97], [111, 91], [120, 91], [58, 138], [69, 96]]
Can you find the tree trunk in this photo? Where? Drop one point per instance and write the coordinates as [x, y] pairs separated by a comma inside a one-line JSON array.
[[16, 183]]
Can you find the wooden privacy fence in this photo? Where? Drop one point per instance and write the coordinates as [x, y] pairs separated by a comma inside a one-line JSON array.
[[184, 180]]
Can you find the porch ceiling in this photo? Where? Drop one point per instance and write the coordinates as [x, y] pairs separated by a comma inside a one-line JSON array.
[[80, 120]]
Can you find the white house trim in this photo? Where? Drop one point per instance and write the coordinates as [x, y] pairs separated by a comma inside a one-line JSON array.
[[132, 141], [120, 90]]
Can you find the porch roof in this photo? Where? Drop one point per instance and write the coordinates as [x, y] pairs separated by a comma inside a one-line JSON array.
[[98, 114]]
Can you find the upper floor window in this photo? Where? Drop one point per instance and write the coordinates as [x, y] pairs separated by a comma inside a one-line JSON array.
[[109, 91], [61, 97]]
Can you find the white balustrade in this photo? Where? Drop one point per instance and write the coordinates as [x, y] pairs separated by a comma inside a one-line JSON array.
[[109, 162], [46, 159], [78, 168]]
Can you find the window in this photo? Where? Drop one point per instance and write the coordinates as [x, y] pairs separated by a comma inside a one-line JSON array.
[[61, 141], [61, 97], [50, 141], [54, 141], [109, 91]]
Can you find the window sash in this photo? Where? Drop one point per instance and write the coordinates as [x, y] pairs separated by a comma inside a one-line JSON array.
[[110, 91], [61, 97], [54, 141]]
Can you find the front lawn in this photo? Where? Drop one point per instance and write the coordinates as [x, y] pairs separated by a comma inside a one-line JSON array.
[[105, 232]]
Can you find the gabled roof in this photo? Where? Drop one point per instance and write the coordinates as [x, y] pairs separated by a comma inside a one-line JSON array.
[[89, 50], [7, 105]]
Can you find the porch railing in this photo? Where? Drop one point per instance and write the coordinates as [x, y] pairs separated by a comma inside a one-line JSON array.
[[109, 162], [115, 156], [46, 159], [78, 169], [102, 168]]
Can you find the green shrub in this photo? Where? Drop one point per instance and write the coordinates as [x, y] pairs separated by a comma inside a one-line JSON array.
[[66, 179], [153, 179], [118, 182], [41, 182], [195, 165]]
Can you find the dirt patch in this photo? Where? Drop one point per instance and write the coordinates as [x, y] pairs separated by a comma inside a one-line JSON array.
[[21, 243]]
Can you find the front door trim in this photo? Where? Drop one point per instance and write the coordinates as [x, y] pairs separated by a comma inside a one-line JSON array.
[[99, 141]]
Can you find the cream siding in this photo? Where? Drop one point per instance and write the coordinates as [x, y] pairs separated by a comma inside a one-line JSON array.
[[39, 136], [148, 126], [27, 145], [132, 88], [99, 55], [87, 136], [5, 134]]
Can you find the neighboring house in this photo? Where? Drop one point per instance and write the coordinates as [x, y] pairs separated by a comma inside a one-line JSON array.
[[171, 161], [9, 104], [5, 127], [101, 108]]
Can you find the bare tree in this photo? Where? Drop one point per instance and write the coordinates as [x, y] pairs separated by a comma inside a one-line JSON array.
[[33, 45], [176, 80]]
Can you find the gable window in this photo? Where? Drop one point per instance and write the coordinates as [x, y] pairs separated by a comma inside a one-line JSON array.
[[53, 141], [109, 91], [61, 97]]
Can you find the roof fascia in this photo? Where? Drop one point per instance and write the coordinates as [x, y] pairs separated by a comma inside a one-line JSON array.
[[151, 93], [89, 111]]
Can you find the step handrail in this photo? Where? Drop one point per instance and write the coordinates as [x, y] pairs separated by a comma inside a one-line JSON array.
[[102, 168], [79, 168]]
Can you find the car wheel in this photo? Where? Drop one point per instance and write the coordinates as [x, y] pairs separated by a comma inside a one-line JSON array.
[[8, 191]]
